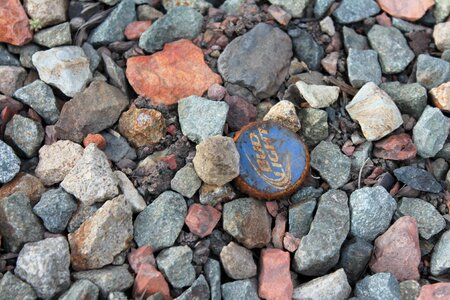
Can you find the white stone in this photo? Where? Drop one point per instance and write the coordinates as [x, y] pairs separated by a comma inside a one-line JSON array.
[[327, 26], [331, 286], [318, 96], [441, 35], [129, 191], [284, 113]]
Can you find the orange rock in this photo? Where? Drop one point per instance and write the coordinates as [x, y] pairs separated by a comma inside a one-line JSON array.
[[290, 242], [274, 278], [411, 10], [14, 23], [150, 281], [140, 256], [201, 219], [441, 96], [26, 183], [437, 291], [135, 29], [176, 72], [97, 139], [395, 147], [279, 230]]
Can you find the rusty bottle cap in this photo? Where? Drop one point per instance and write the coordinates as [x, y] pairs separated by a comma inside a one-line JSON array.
[[273, 160]]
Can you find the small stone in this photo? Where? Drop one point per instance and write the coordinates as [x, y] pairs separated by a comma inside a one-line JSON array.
[[212, 274], [186, 182], [318, 96], [216, 92], [12, 79], [240, 289], [150, 281], [279, 230], [333, 166], [314, 125], [329, 63], [440, 168], [148, 13], [355, 256], [38, 10], [352, 40], [363, 67], [431, 71], [130, 192], [379, 286], [141, 256], [352, 11], [418, 179], [81, 289], [327, 26], [331, 286], [26, 54], [96, 139], [440, 258], [82, 213], [92, 55], [274, 278], [115, 73], [411, 98], [12, 287], [135, 29], [441, 36], [201, 118], [290, 242], [14, 23], [25, 135], [279, 14], [435, 291], [45, 266], [175, 264], [237, 261], [240, 112], [284, 113], [409, 289], [57, 35], [198, 290], [301, 216], [200, 5], [247, 220], [7, 59], [441, 97], [293, 7], [441, 10], [321, 7], [9, 164], [406, 9], [395, 147], [213, 195], [160, 223], [384, 116], [25, 183], [306, 48], [117, 147], [201, 219]]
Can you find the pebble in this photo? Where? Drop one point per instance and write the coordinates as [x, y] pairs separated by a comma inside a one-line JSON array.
[[201, 219], [112, 28], [9, 164], [7, 59], [395, 147], [217, 92], [418, 179], [38, 10], [410, 98], [375, 112], [135, 29], [14, 24], [316, 255], [240, 112], [279, 14], [237, 261], [406, 9], [115, 73], [327, 26], [314, 125], [45, 266], [12, 287], [352, 11], [333, 166], [25, 183], [379, 286], [397, 250], [331, 286], [441, 97], [431, 71], [440, 258], [370, 218], [440, 168], [247, 220], [92, 55], [363, 67], [352, 40], [179, 71], [217, 160], [284, 113], [54, 36], [355, 256], [175, 264], [146, 12], [409, 289], [96, 139], [241, 66], [186, 182], [392, 48], [213, 275], [179, 23], [117, 147], [82, 213], [167, 212], [25, 135], [81, 289], [130, 193], [306, 48], [198, 290], [150, 281], [293, 7], [318, 96], [141, 256], [435, 291], [441, 10], [274, 280], [240, 289], [405, 26], [300, 217], [329, 63], [12, 79], [213, 195]]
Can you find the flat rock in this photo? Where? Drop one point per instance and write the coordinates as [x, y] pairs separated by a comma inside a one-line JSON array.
[[410, 98], [274, 280], [240, 289], [54, 36], [293, 7], [175, 264], [418, 179], [12, 79], [237, 261], [150, 281], [213, 275], [186, 182], [25, 135], [201, 219], [314, 125], [331, 286], [318, 96], [441, 96], [38, 9], [300, 217], [379, 286], [351, 11], [355, 256], [306, 48], [431, 71], [406, 9], [198, 290], [363, 67], [130, 193], [12, 287], [352, 40], [81, 289], [435, 291], [284, 113], [25, 183], [14, 23], [440, 258], [9, 164]]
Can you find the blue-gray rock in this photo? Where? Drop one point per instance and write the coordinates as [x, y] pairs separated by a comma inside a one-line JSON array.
[[430, 132], [294, 7], [12, 287], [240, 289], [429, 220], [392, 48], [199, 290], [213, 275], [54, 36], [201, 118], [25, 135], [314, 125], [115, 73], [12, 79], [39, 96], [431, 71], [351, 11], [179, 23], [9, 164], [405, 26], [440, 258], [111, 29], [332, 286], [363, 67], [231, 7], [321, 7], [301, 216], [186, 182], [371, 210], [352, 40], [446, 55], [175, 264], [306, 48], [410, 98], [319, 250], [249, 66], [381, 286], [418, 179], [333, 166], [117, 147], [94, 57], [7, 59], [160, 223], [81, 289], [306, 193], [26, 54], [55, 209], [409, 289], [355, 256]]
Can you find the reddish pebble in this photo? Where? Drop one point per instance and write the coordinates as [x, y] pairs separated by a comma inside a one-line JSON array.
[[397, 250], [329, 63], [274, 277], [140, 256], [240, 113], [97, 139], [201, 219], [171, 161], [216, 92], [279, 14], [437, 291], [279, 230], [14, 23], [172, 130], [290, 242], [396, 147], [134, 30], [272, 208], [384, 20], [150, 281], [410, 10], [348, 148]]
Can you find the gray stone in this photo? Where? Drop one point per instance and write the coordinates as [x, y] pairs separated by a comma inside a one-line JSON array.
[[409, 290], [12, 288], [7, 59], [363, 67], [200, 5], [93, 56], [18, 224], [355, 256], [319, 249], [112, 28], [333, 286], [440, 258], [55, 209], [12, 79], [199, 290], [213, 274], [115, 73], [371, 210], [314, 125], [26, 54], [117, 147], [351, 11], [318, 96], [439, 168], [25, 135], [441, 10], [301, 216], [306, 193], [201, 118], [294, 7], [352, 40], [39, 9], [212, 194], [333, 166], [175, 264], [411, 98], [321, 7], [39, 97], [446, 55], [405, 26], [160, 223], [81, 289], [130, 193], [444, 152], [45, 266], [81, 214], [240, 289], [66, 68], [381, 286], [242, 66], [431, 71], [393, 50], [231, 7], [117, 296], [108, 279], [54, 36], [179, 23], [418, 179], [360, 155], [186, 182], [430, 132], [9, 164], [237, 261], [306, 48]]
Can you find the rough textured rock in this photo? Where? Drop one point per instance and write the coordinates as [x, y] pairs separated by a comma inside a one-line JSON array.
[[352, 40], [141, 256], [240, 112], [351, 11], [274, 278], [435, 291], [117, 147], [410, 98], [213, 194], [130, 193], [25, 183], [237, 261], [301, 216], [12, 79], [318, 96], [355, 255], [7, 59], [406, 9], [150, 281], [380, 286], [332, 286], [363, 67], [14, 26], [396, 147], [175, 264], [240, 289], [440, 258], [81, 289], [25, 135], [306, 48], [314, 125], [213, 275], [135, 29], [54, 36], [201, 219], [432, 71], [284, 113], [38, 10], [9, 164], [418, 179], [441, 33], [409, 289], [12, 287], [441, 96], [198, 290], [186, 182]]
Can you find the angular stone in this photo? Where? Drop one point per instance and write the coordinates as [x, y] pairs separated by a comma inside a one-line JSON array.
[[237, 261], [306, 48], [435, 291], [441, 96], [96, 139], [329, 63], [331, 286], [82, 213], [25, 135], [327, 26], [318, 96], [301, 216], [440, 258], [175, 264], [213, 275], [351, 11], [213, 195], [81, 289], [7, 59], [198, 290], [9, 164], [25, 183], [150, 281], [54, 36], [410, 98], [396, 147], [314, 123], [39, 10], [284, 113], [141, 256], [363, 67], [201, 219], [240, 289], [274, 278], [186, 182], [406, 9], [130, 193], [12, 287], [355, 255], [135, 29], [240, 112], [316, 255], [409, 289], [441, 36], [352, 40], [279, 14], [379, 286], [12, 79], [431, 71], [117, 147], [176, 72], [418, 179], [14, 26], [93, 56]]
